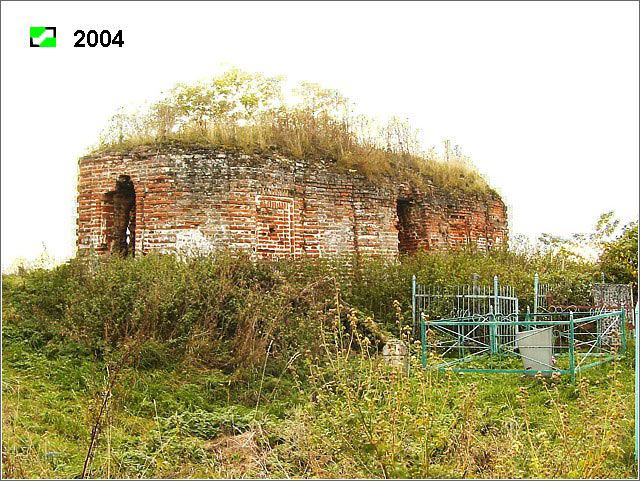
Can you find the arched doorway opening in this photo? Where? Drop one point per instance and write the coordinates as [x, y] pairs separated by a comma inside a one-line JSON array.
[[118, 218]]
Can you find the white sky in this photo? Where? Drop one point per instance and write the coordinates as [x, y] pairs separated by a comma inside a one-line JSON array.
[[542, 96]]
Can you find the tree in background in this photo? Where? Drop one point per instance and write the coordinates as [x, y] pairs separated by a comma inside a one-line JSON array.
[[619, 258]]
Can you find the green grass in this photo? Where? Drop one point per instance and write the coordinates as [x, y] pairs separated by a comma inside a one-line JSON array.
[[354, 418], [49, 400], [269, 369]]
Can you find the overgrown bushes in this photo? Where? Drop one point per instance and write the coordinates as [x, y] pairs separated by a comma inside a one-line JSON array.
[[223, 310], [282, 356], [226, 309]]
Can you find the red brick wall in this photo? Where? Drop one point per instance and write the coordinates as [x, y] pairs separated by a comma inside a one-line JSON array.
[[200, 198]]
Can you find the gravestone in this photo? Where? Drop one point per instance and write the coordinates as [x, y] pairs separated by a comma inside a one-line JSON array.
[[395, 353]]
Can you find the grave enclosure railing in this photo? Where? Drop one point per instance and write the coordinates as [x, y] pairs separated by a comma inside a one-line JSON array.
[[500, 343], [476, 328], [460, 301]]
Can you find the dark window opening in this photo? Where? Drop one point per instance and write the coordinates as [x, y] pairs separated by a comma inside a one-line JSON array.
[[407, 235], [118, 214]]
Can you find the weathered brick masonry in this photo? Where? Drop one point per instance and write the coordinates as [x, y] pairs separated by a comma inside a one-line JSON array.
[[180, 197]]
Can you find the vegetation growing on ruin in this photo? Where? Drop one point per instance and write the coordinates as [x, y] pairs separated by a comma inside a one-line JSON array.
[[247, 111], [222, 366]]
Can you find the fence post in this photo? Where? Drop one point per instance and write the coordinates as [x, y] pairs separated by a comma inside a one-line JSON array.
[[637, 379], [424, 341], [634, 316], [623, 331], [476, 291], [599, 335], [536, 278], [492, 331], [572, 358], [517, 312], [413, 304]]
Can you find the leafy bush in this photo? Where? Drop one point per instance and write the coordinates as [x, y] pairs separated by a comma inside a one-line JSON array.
[[619, 259], [210, 424], [223, 310], [381, 281]]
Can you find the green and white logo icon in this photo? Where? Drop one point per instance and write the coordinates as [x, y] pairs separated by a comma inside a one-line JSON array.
[[42, 36]]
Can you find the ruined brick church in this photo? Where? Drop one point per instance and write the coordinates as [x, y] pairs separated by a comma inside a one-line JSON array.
[[179, 197]]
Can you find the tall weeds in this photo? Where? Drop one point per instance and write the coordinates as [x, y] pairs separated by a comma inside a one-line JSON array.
[[224, 309], [372, 421]]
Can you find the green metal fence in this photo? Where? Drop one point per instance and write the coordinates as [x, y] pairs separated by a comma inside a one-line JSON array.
[[564, 342], [461, 300]]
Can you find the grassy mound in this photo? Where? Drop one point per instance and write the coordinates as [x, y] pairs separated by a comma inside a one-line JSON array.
[[249, 112]]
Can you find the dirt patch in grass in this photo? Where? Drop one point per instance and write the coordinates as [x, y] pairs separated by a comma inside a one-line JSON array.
[[236, 451]]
